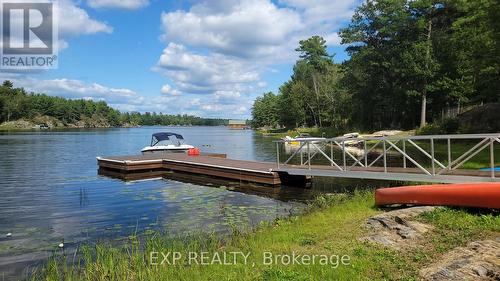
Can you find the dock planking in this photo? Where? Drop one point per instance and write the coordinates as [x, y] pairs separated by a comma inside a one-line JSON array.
[[214, 165]]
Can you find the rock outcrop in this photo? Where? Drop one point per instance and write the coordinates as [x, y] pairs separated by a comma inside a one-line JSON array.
[[395, 229], [479, 260]]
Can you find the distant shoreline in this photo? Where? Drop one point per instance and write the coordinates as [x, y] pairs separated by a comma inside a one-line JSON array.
[[29, 126]]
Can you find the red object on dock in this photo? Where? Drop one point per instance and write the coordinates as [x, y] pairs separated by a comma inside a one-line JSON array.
[[194, 151], [479, 195]]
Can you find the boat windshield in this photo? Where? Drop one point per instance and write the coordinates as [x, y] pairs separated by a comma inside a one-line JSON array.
[[175, 139]]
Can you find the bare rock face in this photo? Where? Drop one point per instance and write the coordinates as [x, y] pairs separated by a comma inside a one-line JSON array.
[[480, 260], [18, 124], [395, 229], [387, 133]]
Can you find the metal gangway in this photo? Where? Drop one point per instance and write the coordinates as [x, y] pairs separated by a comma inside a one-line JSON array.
[[373, 157]]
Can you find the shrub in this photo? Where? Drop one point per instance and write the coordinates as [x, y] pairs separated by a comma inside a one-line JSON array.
[[445, 126]]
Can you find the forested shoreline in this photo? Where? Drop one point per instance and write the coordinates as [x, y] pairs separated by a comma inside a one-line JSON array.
[[33, 108], [408, 61]]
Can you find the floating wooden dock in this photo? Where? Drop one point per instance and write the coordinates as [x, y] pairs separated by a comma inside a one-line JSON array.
[[214, 165]]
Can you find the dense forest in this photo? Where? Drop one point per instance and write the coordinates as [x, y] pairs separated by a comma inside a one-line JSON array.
[[16, 104], [409, 59]]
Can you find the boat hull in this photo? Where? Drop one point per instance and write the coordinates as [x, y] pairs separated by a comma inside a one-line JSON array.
[[479, 195], [161, 149]]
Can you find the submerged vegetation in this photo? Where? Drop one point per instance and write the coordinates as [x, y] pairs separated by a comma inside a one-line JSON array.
[[331, 227], [409, 61], [33, 108]]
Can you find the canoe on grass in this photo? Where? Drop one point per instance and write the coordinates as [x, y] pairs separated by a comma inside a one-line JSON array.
[[479, 195]]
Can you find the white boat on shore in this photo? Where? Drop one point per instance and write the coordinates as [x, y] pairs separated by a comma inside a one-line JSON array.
[[166, 142], [296, 141], [352, 139]]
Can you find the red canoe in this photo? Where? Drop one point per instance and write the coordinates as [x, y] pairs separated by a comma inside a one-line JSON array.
[[479, 195]]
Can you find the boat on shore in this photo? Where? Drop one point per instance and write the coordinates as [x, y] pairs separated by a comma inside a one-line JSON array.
[[476, 195], [303, 137], [166, 142]]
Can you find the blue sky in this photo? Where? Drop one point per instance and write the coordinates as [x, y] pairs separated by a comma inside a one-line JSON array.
[[207, 58]]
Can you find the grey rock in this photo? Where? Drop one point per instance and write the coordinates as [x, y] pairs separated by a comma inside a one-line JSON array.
[[479, 260], [480, 271], [394, 228]]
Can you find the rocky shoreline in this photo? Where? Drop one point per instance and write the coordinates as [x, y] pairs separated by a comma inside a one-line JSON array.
[[46, 122]]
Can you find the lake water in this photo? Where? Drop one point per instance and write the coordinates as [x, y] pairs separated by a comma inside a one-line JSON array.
[[50, 191]]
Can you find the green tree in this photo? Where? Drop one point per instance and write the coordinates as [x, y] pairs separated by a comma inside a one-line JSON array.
[[265, 111], [312, 68], [312, 96]]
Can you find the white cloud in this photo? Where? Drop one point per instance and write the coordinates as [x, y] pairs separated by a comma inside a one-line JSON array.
[[120, 4], [226, 97], [76, 89], [194, 73], [257, 29], [120, 98], [73, 20], [323, 11], [241, 28], [166, 89]]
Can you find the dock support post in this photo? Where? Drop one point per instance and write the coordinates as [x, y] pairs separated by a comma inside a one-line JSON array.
[[278, 154], [492, 158]]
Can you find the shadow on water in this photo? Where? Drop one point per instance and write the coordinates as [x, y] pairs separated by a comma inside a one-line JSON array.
[[317, 186]]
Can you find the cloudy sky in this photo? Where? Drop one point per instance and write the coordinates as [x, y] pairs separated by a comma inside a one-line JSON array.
[[207, 58]]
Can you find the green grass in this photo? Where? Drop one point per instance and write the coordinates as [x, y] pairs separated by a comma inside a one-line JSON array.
[[331, 226], [481, 160], [455, 227]]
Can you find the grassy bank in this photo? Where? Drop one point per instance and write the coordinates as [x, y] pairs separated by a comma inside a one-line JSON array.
[[331, 227]]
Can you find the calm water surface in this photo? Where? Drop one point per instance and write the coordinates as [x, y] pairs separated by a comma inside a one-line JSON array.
[[50, 191]]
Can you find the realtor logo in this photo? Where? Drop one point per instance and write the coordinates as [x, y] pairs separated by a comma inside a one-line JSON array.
[[29, 35]]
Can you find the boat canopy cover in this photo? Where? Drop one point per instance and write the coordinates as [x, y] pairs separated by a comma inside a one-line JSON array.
[[158, 137]]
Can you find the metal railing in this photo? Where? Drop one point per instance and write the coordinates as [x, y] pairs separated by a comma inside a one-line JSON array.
[[427, 167]]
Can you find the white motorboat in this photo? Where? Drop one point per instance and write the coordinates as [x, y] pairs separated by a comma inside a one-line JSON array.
[[166, 143], [352, 139], [293, 144], [303, 137]]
